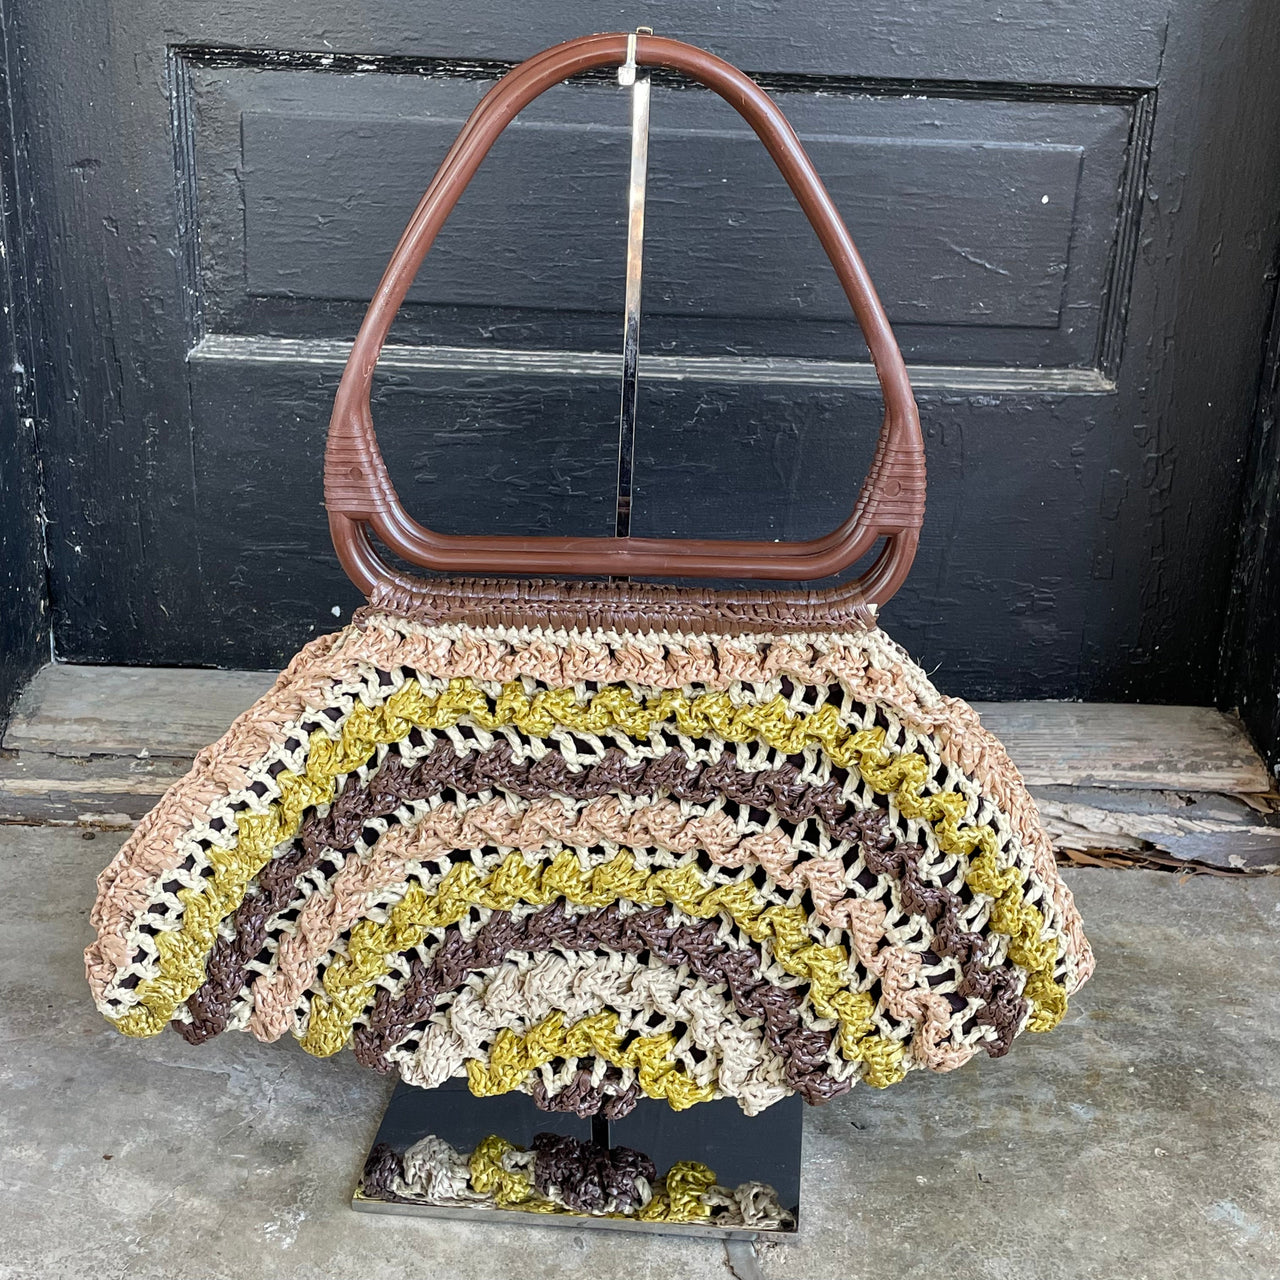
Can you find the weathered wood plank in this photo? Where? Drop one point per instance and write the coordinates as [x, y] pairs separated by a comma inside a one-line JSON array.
[[1224, 831], [105, 791], [71, 710], [1096, 744]]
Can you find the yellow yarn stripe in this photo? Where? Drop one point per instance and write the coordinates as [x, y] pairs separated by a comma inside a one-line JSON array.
[[901, 776], [1024, 925], [514, 1056], [510, 1188], [350, 979], [676, 1198]]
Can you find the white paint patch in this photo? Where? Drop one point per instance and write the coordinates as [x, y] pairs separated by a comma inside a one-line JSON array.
[[1229, 1212], [283, 1230]]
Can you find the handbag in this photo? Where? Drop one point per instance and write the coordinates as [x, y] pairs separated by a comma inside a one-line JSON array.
[[592, 838]]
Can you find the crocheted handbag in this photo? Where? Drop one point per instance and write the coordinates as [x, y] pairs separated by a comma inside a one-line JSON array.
[[595, 839]]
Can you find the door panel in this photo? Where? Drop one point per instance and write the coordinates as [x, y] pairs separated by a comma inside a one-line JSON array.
[[990, 226], [1065, 208]]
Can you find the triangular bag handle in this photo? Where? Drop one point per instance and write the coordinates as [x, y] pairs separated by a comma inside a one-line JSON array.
[[362, 501]]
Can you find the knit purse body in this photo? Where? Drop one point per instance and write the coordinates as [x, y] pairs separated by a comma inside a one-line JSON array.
[[601, 840]]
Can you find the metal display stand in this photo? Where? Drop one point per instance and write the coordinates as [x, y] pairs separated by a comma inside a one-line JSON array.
[[739, 1149]]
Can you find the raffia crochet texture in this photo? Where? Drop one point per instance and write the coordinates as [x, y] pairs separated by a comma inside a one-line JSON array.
[[562, 1175], [592, 865]]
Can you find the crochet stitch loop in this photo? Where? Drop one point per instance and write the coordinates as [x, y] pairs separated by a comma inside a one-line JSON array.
[[349, 980], [565, 1176], [514, 1057], [510, 1188], [585, 807], [900, 776], [680, 1198]]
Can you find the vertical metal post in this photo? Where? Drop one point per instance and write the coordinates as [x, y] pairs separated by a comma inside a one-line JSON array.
[[638, 80]]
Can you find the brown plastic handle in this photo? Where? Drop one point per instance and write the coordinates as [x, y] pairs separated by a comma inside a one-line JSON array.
[[358, 491]]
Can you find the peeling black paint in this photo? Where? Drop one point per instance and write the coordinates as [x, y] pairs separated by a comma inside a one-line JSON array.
[[24, 626], [487, 69], [1251, 647]]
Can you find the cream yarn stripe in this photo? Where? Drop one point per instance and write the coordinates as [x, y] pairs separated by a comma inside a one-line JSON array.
[[921, 1008], [718, 1048], [170, 909]]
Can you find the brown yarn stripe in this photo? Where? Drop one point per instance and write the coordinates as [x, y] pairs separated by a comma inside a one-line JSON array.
[[1002, 1006], [580, 1096], [396, 783], [587, 1178], [804, 1050], [779, 790], [382, 1167]]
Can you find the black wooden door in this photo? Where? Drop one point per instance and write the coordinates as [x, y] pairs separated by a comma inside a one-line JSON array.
[[1069, 210]]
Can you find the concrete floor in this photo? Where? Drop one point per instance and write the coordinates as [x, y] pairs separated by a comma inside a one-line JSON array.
[[1139, 1140]]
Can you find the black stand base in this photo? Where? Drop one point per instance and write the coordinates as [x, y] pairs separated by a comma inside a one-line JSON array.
[[739, 1149]]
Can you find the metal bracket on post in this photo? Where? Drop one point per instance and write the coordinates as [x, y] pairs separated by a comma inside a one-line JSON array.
[[637, 79]]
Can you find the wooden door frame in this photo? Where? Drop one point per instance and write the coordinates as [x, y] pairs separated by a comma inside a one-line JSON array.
[[24, 585], [1250, 663]]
